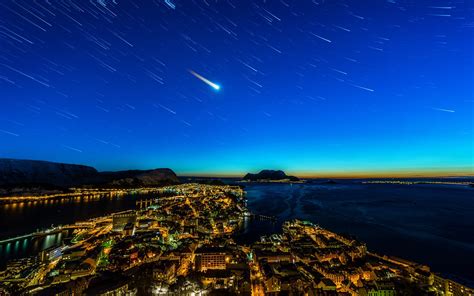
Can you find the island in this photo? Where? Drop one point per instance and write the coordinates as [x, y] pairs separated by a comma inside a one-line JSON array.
[[270, 176]]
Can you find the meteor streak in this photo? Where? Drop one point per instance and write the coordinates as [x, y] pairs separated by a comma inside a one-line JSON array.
[[444, 110], [206, 81]]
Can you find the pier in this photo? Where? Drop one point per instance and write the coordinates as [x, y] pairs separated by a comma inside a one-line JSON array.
[[144, 203]]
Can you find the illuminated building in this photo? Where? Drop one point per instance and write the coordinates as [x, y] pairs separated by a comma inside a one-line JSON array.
[[211, 258], [119, 220]]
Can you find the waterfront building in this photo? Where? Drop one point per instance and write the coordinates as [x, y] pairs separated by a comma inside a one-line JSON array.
[[119, 220]]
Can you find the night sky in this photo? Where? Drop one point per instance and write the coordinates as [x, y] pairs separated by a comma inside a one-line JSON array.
[[312, 87]]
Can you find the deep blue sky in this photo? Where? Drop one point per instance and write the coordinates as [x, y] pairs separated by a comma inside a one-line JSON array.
[[307, 86]]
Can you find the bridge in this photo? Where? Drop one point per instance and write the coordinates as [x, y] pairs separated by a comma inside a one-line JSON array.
[[263, 217], [42, 198], [81, 226], [32, 235]]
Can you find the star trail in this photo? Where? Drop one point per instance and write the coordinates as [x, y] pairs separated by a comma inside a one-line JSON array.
[[223, 87]]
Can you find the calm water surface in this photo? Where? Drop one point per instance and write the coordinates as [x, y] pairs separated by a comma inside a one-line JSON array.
[[430, 224]]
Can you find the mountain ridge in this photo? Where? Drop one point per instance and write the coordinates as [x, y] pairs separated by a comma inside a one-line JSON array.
[[22, 172]]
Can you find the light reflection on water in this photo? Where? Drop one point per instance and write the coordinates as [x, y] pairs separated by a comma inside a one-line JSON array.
[[27, 217], [29, 246]]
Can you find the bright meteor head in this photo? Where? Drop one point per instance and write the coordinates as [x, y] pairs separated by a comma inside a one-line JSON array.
[[205, 80]]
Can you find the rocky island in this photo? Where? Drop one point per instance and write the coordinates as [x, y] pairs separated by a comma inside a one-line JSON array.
[[270, 176]]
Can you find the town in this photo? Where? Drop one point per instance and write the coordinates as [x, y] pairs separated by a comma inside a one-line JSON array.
[[182, 243]]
